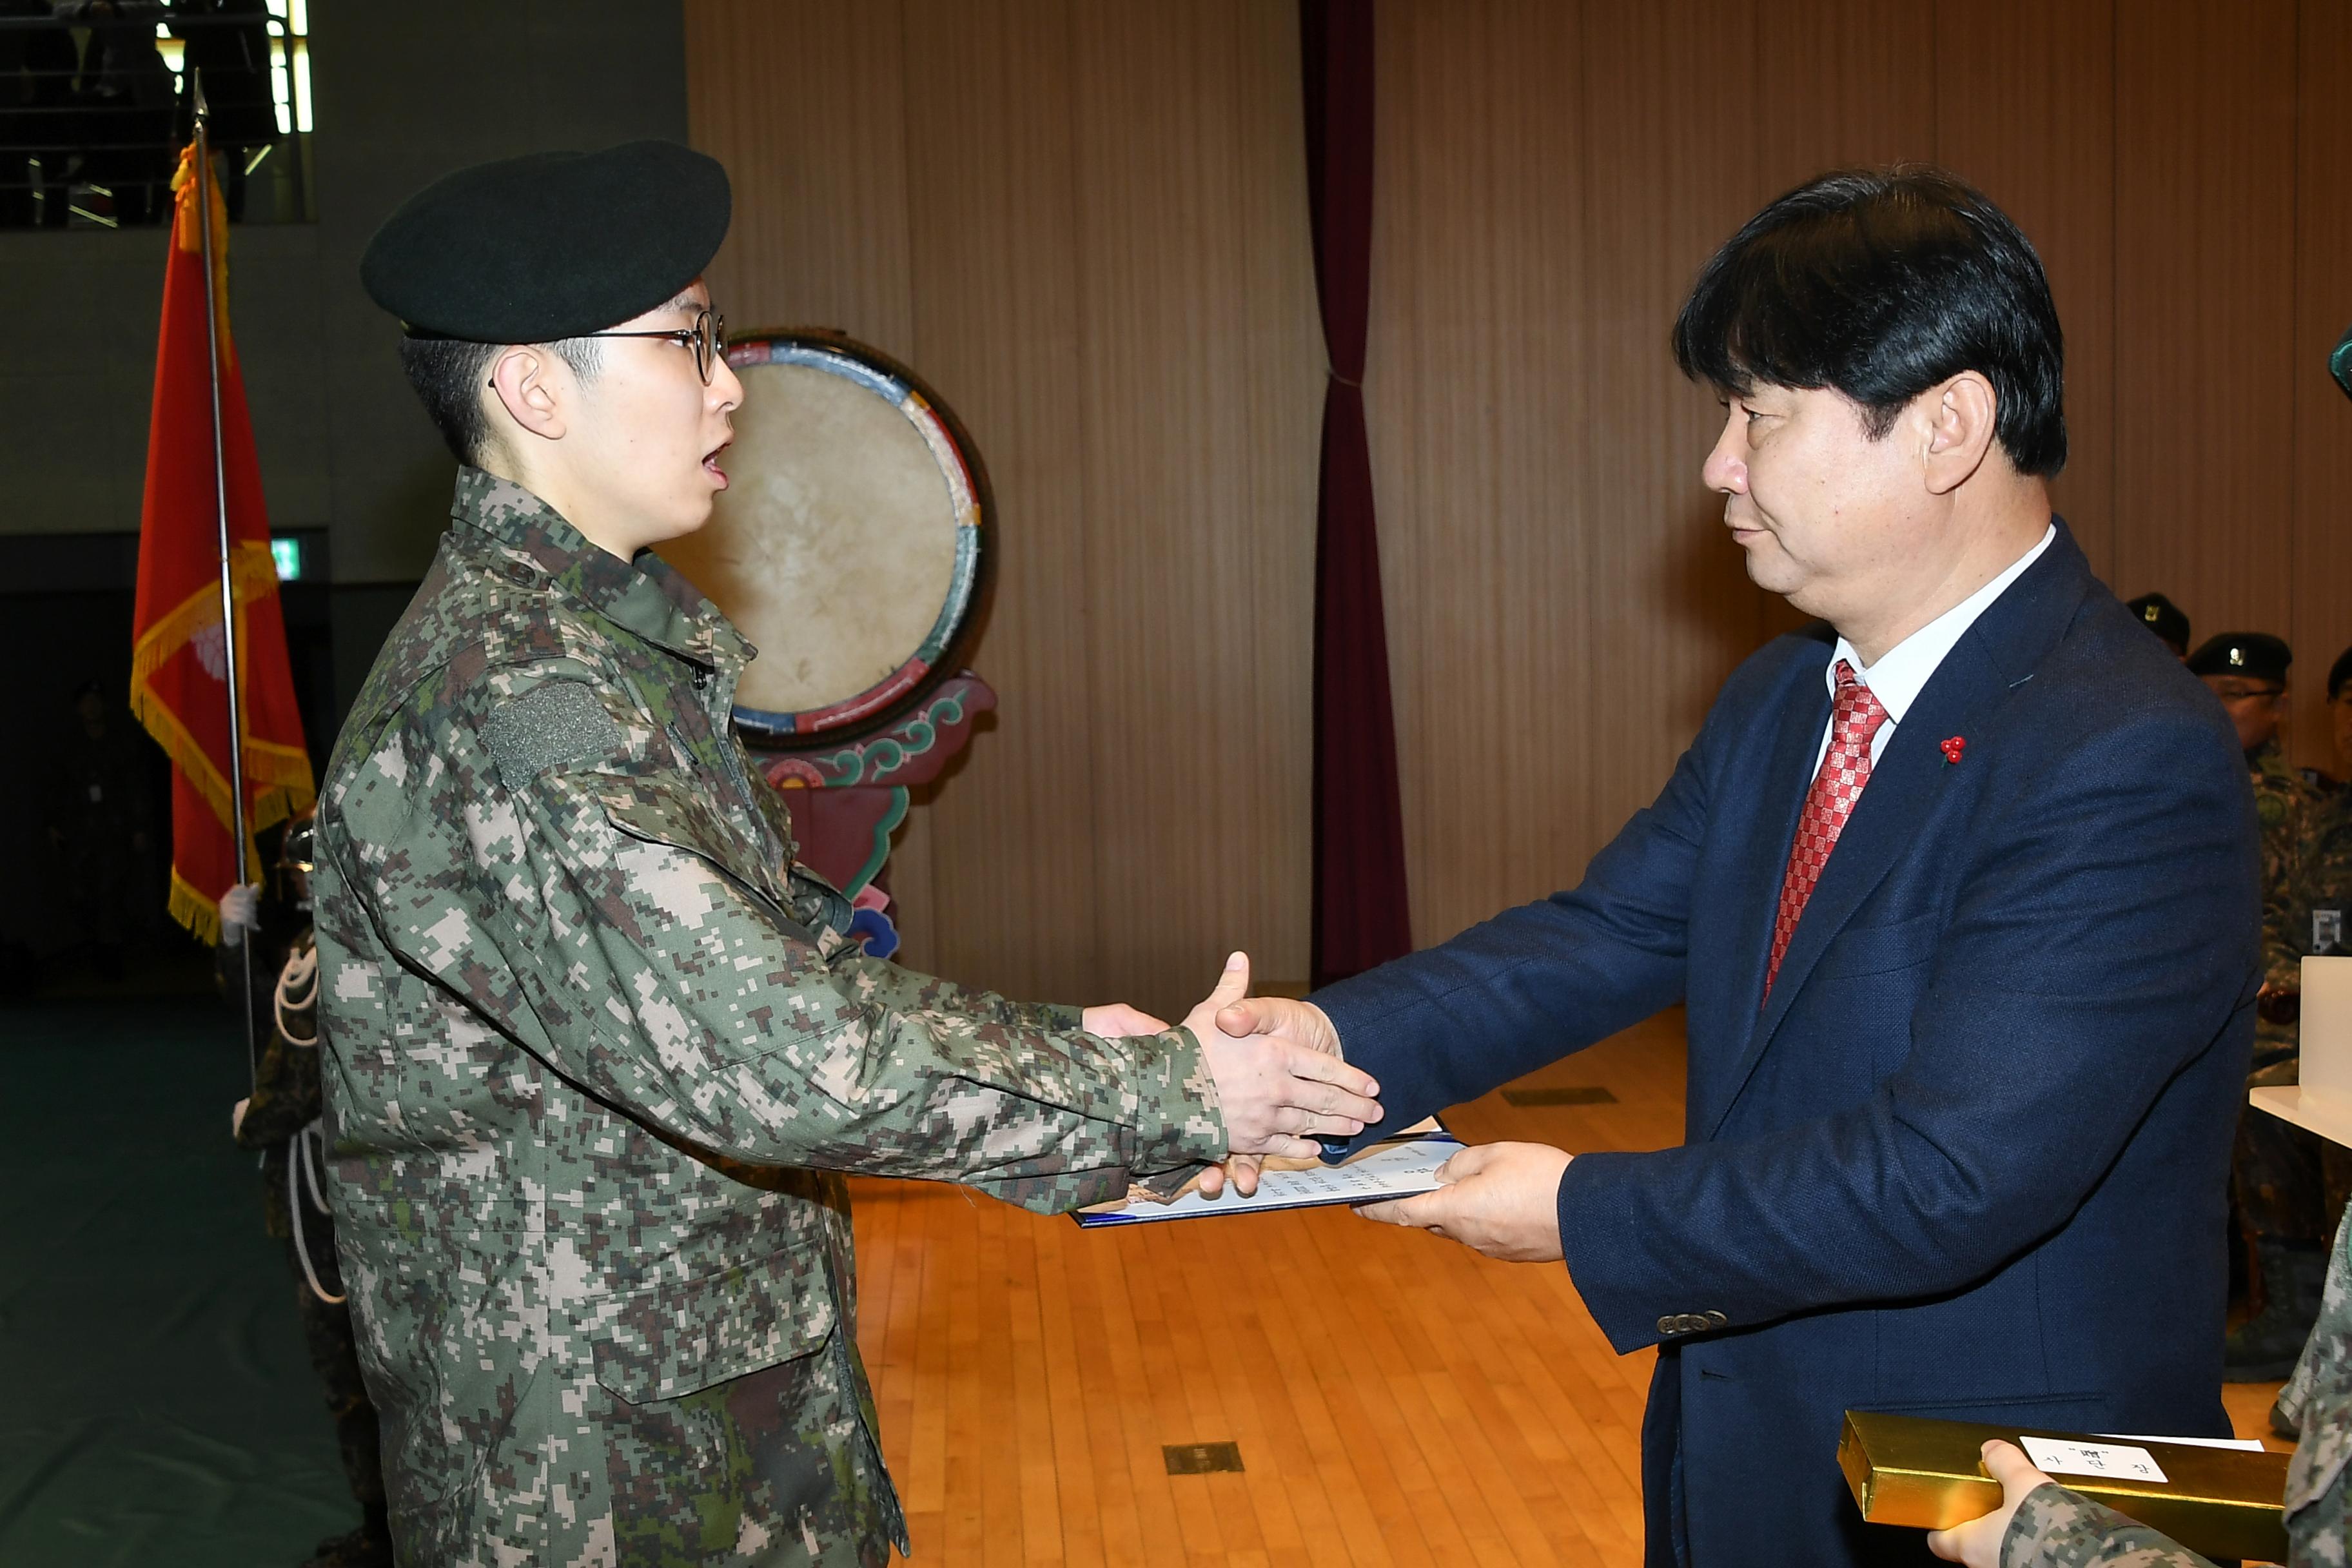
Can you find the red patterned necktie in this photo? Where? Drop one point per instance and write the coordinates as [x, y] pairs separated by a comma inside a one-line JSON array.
[[1854, 719]]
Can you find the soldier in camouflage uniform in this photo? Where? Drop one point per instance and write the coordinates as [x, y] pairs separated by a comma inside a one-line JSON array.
[[2247, 670], [2275, 1167], [2164, 618], [2041, 1524], [597, 1047]]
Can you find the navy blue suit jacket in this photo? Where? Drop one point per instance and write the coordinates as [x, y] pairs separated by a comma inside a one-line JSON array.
[[1969, 1157]]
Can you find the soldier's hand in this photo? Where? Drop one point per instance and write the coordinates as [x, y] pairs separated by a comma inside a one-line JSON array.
[[240, 912], [1279, 1094], [1113, 1019], [1978, 1542], [1301, 1024], [237, 1117]]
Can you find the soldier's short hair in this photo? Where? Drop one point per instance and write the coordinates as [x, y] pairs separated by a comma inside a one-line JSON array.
[[450, 375]]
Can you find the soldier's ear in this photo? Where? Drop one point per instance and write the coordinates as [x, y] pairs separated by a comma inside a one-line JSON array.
[[527, 384]]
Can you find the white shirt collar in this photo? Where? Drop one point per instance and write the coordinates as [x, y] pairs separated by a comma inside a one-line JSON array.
[[1902, 672]]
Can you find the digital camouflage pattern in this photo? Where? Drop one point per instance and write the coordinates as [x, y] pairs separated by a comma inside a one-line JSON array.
[[2056, 1528], [285, 1101], [2306, 911], [2287, 1183], [594, 1047], [2285, 802]]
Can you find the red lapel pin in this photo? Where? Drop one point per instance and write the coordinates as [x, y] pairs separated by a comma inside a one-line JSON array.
[[1953, 747]]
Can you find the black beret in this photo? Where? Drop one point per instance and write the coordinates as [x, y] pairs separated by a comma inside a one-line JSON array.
[[2255, 654], [551, 245], [2162, 616], [2338, 673]]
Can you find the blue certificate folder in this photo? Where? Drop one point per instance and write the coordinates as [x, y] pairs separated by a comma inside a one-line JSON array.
[[1397, 1167]]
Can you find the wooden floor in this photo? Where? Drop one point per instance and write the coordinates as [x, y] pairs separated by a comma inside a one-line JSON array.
[[1395, 1399]]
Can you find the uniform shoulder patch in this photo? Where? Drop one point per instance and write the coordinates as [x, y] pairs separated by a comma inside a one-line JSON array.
[[562, 721]]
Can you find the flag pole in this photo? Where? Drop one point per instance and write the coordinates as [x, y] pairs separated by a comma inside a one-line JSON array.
[[227, 582]]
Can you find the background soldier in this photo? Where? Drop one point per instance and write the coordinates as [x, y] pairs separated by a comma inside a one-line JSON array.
[[2247, 670], [2275, 1167], [281, 1120], [594, 1044], [2162, 616]]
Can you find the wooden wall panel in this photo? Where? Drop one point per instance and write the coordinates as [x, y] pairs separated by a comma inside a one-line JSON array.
[[1477, 403], [2025, 112], [994, 226], [2204, 308], [1671, 610], [1837, 83], [1202, 415], [2321, 544], [818, 160]]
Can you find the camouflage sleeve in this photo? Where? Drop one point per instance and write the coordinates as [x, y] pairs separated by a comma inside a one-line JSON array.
[[2283, 914], [592, 899], [2055, 1528]]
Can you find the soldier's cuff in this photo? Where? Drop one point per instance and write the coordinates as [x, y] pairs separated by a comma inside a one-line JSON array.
[[1180, 1125]]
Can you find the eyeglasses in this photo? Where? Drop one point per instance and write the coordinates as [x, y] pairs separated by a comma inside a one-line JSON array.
[[706, 338]]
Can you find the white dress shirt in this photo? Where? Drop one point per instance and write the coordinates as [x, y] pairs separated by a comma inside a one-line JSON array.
[[1903, 670]]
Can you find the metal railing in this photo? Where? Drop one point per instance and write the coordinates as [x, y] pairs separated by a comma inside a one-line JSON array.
[[97, 99]]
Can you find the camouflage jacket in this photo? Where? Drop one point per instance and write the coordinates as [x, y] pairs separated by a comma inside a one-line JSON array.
[[2282, 800], [2056, 1528], [2306, 911], [589, 1037]]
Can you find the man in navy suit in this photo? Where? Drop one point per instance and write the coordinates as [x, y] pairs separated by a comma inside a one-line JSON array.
[[1959, 889]]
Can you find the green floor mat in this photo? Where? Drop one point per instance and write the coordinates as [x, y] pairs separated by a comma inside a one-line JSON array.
[[155, 1403]]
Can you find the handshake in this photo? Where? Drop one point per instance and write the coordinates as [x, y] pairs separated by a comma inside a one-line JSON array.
[[1279, 1085], [1282, 1082]]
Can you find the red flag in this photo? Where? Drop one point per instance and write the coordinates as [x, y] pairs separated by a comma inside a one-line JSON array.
[[178, 660]]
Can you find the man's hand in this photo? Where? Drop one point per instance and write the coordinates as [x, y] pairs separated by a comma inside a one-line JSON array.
[[1301, 1024], [1277, 1096], [1978, 1542], [1501, 1198], [1114, 1019]]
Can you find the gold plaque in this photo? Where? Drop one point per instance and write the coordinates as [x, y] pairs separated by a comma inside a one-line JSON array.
[[1919, 1471]]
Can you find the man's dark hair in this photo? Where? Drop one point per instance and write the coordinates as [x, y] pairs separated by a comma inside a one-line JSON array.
[[1879, 284], [449, 375]]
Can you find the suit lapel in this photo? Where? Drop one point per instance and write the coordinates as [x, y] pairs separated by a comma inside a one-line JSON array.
[[1992, 657], [1762, 861]]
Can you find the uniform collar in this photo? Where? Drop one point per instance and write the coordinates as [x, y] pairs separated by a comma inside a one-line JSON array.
[[646, 596]]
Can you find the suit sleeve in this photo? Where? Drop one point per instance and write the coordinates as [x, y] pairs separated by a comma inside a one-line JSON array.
[[1508, 996], [577, 886], [2104, 938]]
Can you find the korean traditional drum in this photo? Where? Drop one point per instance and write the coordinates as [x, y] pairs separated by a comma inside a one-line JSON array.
[[850, 543]]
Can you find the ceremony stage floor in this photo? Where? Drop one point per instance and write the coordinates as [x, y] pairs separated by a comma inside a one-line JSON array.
[[1390, 1398]]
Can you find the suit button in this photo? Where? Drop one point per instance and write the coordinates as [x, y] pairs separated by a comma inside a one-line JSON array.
[[1670, 1324], [1716, 1320]]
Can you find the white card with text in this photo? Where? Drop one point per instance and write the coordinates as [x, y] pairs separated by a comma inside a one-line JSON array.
[[2116, 1461]]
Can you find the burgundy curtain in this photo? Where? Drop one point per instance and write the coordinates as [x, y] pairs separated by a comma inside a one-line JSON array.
[[1360, 915]]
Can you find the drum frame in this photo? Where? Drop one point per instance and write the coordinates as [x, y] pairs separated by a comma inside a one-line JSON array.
[[951, 447]]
